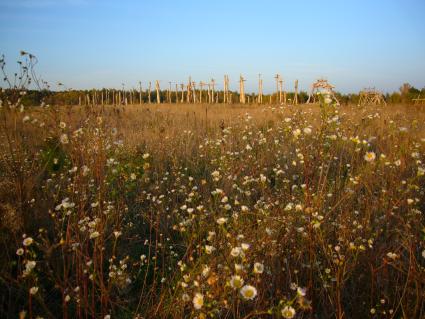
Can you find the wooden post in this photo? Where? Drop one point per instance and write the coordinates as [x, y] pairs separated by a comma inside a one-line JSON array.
[[158, 98], [201, 87], [169, 93], [277, 77], [182, 88], [149, 93], [213, 88], [241, 90], [225, 90], [280, 90], [177, 93], [140, 92], [260, 90], [195, 99], [295, 101], [209, 92]]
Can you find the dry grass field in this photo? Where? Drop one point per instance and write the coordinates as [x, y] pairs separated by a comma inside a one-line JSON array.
[[212, 211]]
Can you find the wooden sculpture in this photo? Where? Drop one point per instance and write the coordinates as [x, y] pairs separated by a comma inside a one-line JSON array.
[[370, 96], [321, 85]]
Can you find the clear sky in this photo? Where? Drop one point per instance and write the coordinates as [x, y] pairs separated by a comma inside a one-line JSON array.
[[103, 43]]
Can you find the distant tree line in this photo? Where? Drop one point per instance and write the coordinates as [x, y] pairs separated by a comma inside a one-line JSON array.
[[405, 95]]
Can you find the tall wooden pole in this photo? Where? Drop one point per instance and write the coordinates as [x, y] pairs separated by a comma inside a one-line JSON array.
[[225, 90], [169, 93], [296, 93], [241, 90], [140, 92], [280, 90], [195, 99], [188, 93], [149, 93], [213, 89], [277, 77], [182, 88], [260, 89], [158, 99], [177, 93], [201, 87]]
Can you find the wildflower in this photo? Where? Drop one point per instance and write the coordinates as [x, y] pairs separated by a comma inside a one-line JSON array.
[[307, 130], [27, 241], [64, 139], [30, 265], [370, 156], [258, 268], [33, 290], [288, 312], [205, 271], [85, 170], [146, 156], [296, 132], [209, 249], [67, 298], [248, 292], [248, 147], [215, 174], [392, 256], [238, 267], [198, 301], [62, 125], [221, 220], [26, 118], [410, 201], [236, 251], [301, 291], [133, 176], [94, 235], [211, 235], [20, 252], [236, 281], [245, 246], [185, 297], [328, 100], [117, 234]]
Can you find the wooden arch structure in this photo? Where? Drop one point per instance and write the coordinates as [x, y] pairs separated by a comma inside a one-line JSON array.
[[322, 86], [370, 96]]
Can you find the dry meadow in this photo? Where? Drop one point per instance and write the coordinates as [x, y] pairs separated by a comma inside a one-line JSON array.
[[212, 211]]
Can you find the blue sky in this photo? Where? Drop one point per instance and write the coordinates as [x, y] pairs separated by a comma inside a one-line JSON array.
[[103, 43]]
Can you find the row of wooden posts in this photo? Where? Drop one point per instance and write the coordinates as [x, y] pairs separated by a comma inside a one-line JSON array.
[[189, 93]]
